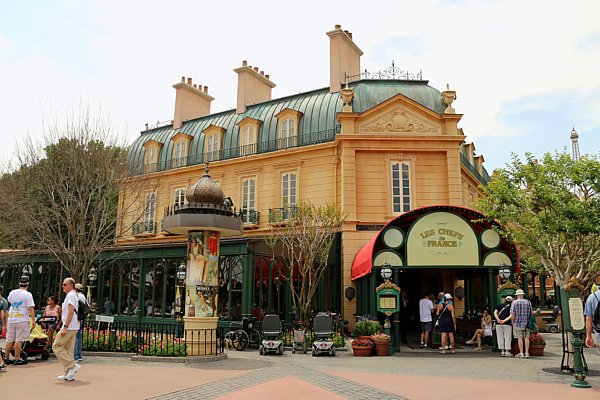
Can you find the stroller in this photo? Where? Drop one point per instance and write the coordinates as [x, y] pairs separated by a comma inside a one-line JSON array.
[[551, 324], [37, 342], [299, 341], [271, 332], [323, 343]]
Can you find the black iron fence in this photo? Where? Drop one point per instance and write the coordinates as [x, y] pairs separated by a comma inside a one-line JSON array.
[[151, 339]]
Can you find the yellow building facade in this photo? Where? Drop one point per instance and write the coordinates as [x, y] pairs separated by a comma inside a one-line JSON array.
[[377, 145]]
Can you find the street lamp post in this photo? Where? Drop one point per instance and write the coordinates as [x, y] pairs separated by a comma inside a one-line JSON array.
[[92, 277], [386, 274], [504, 272], [179, 296]]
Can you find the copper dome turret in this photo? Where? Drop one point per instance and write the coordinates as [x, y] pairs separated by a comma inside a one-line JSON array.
[[205, 191]]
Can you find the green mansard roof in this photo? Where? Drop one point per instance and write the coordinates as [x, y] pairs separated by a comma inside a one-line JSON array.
[[317, 124]]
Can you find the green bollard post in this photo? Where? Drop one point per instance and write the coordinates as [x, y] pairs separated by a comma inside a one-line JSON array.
[[579, 374], [386, 330]]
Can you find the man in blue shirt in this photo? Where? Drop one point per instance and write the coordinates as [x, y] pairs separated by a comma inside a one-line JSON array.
[[592, 337]]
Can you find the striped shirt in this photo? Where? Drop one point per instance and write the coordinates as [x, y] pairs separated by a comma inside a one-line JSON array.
[[521, 309]]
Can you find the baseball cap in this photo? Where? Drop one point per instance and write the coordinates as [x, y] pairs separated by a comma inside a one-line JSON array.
[[448, 296], [509, 298], [78, 286], [519, 291]]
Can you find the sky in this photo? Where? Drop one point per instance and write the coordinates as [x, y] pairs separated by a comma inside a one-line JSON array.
[[525, 72]]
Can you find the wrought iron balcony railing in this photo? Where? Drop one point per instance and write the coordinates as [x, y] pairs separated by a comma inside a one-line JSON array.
[[268, 146], [281, 215], [144, 228], [250, 217]]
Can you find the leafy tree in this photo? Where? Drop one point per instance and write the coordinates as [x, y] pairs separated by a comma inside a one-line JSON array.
[[306, 233], [63, 195], [551, 208]]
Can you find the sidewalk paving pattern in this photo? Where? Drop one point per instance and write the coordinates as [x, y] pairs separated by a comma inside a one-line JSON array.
[[410, 374]]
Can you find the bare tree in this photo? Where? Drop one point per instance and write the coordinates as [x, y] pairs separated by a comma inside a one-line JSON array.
[[63, 195], [306, 233]]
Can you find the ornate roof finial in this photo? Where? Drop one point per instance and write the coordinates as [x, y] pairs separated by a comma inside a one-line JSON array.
[[448, 96], [206, 170]]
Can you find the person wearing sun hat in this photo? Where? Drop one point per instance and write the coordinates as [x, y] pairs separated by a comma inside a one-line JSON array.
[[520, 311], [447, 322], [504, 326]]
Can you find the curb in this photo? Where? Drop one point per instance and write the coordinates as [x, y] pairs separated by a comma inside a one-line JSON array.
[[181, 360]]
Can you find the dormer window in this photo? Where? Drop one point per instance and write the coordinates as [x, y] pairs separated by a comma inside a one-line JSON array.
[[180, 154], [151, 151], [288, 128], [181, 143], [212, 143], [248, 135]]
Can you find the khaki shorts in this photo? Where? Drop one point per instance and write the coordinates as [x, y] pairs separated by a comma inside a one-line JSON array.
[[18, 331], [519, 332]]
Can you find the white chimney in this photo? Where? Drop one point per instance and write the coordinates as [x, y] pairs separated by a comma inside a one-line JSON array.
[[254, 86], [344, 57], [191, 101]]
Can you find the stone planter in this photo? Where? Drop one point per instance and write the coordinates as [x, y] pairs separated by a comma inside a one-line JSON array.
[[362, 351], [382, 348], [536, 350]]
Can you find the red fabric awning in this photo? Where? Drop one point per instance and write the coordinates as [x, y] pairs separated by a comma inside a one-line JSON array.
[[363, 260]]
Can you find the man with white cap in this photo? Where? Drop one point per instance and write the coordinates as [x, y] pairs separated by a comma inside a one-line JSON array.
[[504, 326], [520, 311]]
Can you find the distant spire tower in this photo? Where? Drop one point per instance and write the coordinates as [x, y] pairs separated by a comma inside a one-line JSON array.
[[575, 142]]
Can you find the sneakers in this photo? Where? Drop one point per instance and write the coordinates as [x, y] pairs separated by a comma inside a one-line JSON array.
[[469, 342], [503, 354], [71, 374], [425, 346], [477, 349], [20, 362], [61, 378], [526, 355], [441, 348], [520, 355], [422, 344], [3, 367]]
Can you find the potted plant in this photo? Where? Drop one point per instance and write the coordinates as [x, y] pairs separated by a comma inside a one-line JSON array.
[[362, 347], [537, 343], [366, 327], [381, 341]]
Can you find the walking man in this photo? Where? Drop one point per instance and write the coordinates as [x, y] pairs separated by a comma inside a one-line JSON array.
[[21, 320], [504, 326], [425, 310], [64, 343], [79, 337], [592, 334], [520, 311]]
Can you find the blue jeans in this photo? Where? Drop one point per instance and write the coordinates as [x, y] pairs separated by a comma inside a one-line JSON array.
[[78, 344]]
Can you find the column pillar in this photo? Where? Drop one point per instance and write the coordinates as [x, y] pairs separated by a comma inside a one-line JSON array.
[[201, 291]]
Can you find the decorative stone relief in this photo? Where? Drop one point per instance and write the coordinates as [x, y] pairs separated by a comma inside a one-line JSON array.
[[400, 121]]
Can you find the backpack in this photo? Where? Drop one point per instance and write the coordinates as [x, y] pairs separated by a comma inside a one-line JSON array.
[[82, 310], [596, 316]]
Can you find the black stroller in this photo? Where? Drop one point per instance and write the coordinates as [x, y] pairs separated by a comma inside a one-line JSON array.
[[323, 343], [271, 333]]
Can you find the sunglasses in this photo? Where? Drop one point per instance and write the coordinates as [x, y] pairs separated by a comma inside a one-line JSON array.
[[66, 284]]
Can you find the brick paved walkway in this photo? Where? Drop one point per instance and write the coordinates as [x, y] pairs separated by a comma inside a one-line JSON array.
[[414, 375], [345, 388]]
